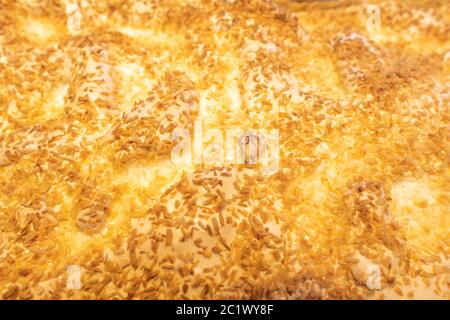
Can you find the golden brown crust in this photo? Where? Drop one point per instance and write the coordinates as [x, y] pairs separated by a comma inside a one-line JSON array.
[[86, 179]]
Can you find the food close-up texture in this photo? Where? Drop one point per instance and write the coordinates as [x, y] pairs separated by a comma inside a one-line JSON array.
[[93, 205]]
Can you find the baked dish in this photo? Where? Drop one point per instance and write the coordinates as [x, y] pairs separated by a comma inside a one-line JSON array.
[[356, 204]]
